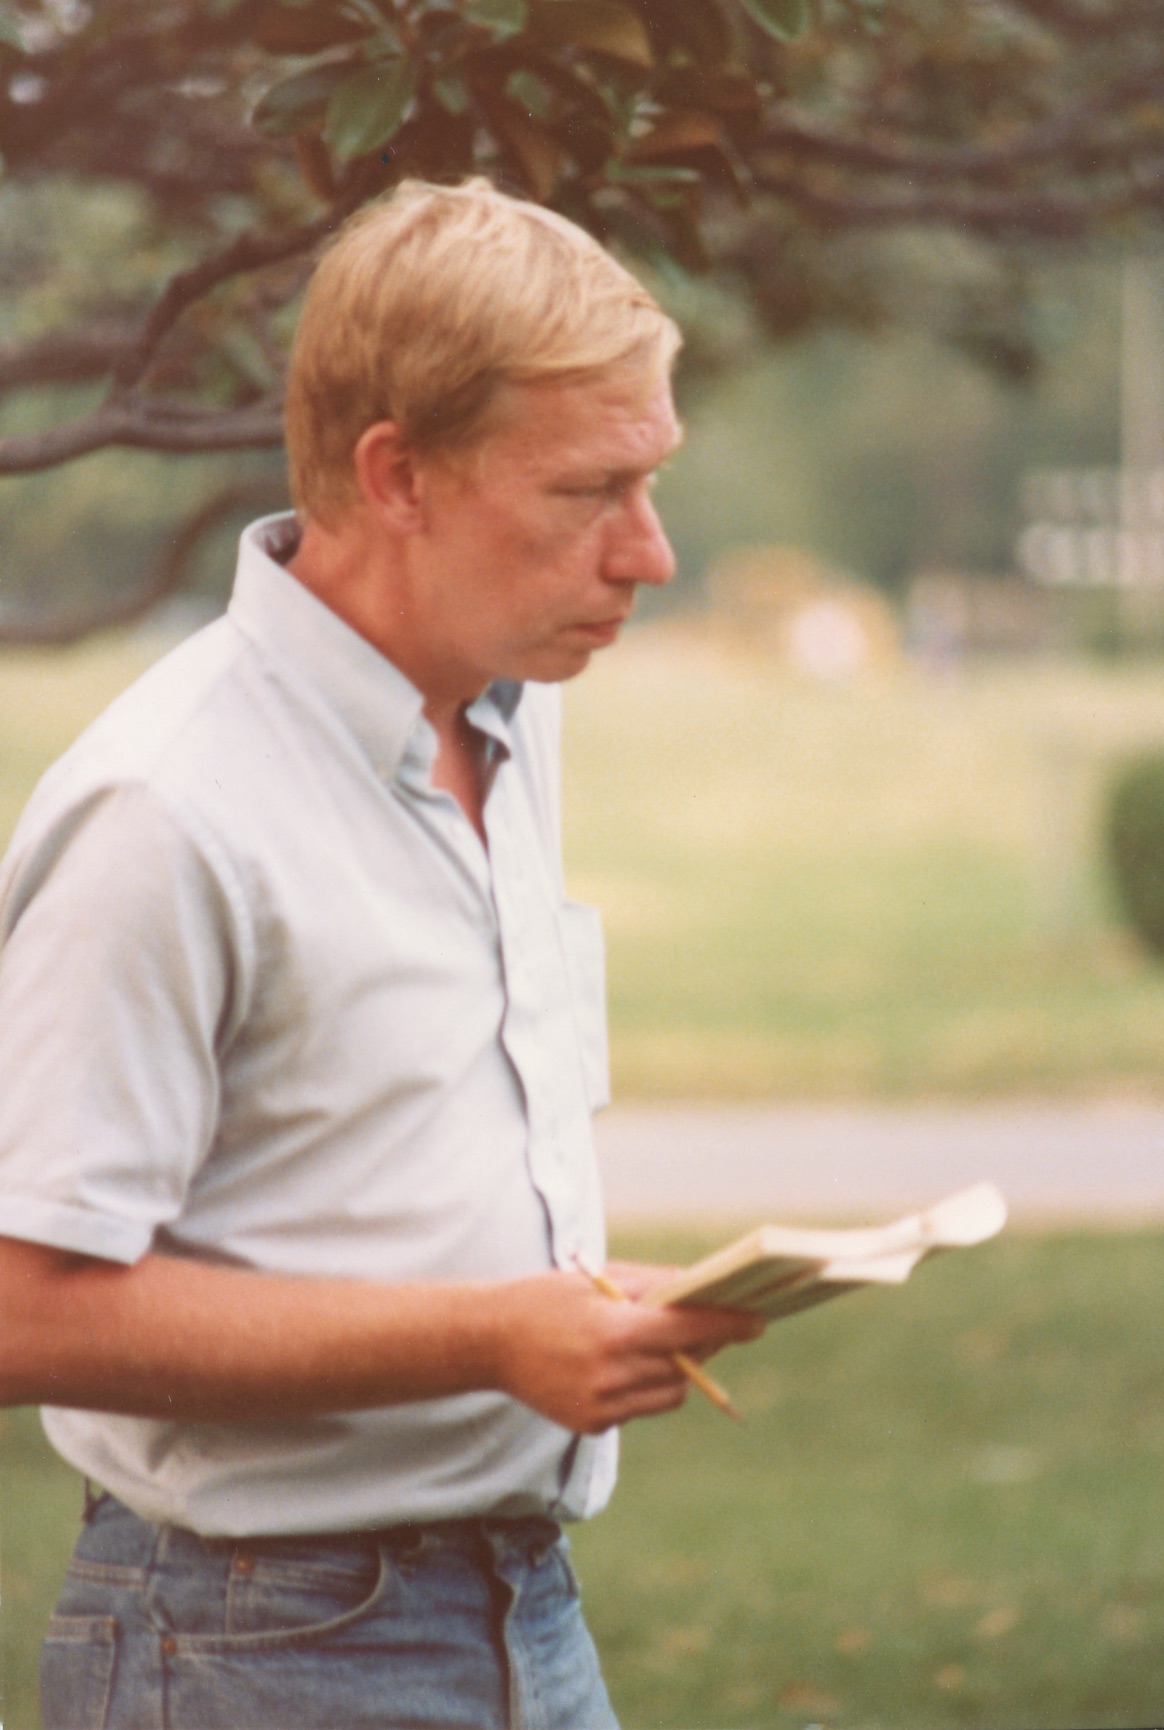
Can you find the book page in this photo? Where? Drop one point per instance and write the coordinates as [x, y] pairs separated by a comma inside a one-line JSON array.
[[774, 1269]]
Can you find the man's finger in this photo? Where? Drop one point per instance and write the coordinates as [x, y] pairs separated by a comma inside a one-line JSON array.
[[705, 1329], [644, 1402]]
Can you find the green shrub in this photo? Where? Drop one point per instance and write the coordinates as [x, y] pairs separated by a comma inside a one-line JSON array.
[[1135, 844]]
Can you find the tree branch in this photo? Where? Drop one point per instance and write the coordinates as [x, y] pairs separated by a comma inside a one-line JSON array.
[[168, 575], [145, 422], [1038, 214], [136, 423], [250, 251], [91, 351], [1074, 136], [66, 356], [108, 110], [1090, 23]]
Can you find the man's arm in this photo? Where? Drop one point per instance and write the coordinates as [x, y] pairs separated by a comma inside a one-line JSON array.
[[170, 1338]]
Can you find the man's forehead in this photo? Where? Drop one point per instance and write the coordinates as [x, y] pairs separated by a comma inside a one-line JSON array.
[[619, 419]]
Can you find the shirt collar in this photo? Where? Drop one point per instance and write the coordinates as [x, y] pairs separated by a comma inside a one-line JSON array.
[[374, 699]]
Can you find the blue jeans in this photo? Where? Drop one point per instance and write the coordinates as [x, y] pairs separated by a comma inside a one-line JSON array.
[[464, 1622]]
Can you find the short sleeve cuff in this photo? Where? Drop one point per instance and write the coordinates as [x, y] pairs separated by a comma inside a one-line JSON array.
[[77, 1229]]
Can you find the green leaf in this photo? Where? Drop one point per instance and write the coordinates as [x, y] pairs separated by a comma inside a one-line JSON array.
[[10, 36], [362, 11], [665, 188], [452, 94], [783, 19], [645, 174], [501, 17], [529, 91], [388, 44], [297, 103], [365, 111]]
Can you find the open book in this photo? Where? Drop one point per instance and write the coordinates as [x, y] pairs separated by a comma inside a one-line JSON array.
[[778, 1269]]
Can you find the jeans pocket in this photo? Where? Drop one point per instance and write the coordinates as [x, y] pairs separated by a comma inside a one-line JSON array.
[[76, 1672], [275, 1603]]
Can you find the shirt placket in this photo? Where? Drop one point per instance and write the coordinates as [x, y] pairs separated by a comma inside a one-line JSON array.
[[449, 827], [538, 1030]]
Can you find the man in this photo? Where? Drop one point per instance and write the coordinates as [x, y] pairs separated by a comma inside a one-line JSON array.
[[299, 1039]]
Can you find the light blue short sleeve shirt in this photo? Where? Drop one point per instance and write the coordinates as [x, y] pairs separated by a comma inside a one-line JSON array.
[[266, 1000]]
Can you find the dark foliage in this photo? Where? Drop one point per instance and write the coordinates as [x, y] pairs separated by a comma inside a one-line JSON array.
[[1135, 844], [771, 141]]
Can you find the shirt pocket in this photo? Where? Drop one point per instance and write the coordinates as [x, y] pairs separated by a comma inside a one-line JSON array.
[[585, 953]]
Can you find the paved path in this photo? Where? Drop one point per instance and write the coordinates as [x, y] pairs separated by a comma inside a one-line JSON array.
[[1101, 1161]]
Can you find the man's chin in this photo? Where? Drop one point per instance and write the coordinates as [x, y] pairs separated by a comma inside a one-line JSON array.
[[555, 666]]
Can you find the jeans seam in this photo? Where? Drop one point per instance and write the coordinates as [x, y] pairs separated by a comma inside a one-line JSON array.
[[307, 1578], [106, 1574], [310, 1634], [79, 1630]]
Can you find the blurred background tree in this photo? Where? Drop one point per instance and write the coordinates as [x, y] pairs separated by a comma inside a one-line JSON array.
[[777, 168]]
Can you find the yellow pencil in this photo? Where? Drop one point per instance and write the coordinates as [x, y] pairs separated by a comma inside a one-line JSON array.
[[695, 1373]]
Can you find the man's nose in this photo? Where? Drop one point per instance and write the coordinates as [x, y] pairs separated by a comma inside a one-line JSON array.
[[638, 550]]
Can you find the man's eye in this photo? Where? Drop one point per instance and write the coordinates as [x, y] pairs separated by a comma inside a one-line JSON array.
[[611, 491], [600, 493]]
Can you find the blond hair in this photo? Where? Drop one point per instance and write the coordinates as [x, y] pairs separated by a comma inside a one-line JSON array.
[[432, 299]]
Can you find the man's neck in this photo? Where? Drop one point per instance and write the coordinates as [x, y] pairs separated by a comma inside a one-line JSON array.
[[367, 587], [364, 580]]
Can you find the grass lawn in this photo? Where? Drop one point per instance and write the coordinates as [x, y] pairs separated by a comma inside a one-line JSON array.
[[871, 891], [945, 1508], [878, 890], [45, 700], [944, 1511]]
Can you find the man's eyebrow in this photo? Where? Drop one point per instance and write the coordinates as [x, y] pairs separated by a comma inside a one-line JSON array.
[[672, 450], [620, 472]]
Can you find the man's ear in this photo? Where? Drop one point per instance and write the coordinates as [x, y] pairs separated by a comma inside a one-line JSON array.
[[387, 473]]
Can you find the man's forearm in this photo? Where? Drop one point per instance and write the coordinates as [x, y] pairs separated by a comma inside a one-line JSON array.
[[178, 1339]]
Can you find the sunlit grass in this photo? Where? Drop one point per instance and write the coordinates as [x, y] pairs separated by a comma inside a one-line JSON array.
[[40, 1514], [883, 889], [47, 697], [888, 888], [943, 1511]]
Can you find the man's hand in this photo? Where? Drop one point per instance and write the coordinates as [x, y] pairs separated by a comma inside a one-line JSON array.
[[637, 1278], [589, 1362]]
